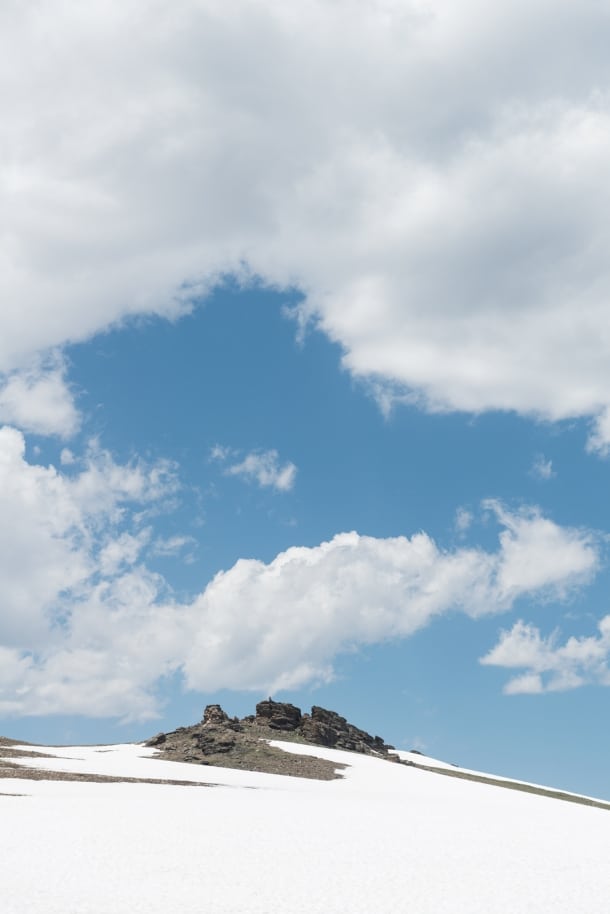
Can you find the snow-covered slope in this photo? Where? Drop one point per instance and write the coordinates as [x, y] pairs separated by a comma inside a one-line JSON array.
[[383, 837]]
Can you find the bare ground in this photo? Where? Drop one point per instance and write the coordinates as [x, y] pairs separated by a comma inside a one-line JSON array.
[[251, 752], [10, 768], [257, 755]]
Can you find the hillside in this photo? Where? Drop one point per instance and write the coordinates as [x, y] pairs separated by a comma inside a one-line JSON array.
[[140, 833]]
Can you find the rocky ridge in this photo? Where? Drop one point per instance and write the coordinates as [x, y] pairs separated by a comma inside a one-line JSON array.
[[233, 743]]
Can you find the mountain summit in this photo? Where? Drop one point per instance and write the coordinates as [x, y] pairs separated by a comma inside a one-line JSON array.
[[233, 743]]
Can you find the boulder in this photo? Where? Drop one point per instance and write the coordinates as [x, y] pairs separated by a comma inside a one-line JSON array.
[[277, 715], [214, 716]]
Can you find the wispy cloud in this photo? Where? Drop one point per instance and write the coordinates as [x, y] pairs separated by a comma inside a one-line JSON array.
[[463, 520], [542, 468], [172, 545], [263, 468]]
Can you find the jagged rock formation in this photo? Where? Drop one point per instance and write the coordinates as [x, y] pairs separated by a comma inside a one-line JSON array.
[[221, 740], [326, 728]]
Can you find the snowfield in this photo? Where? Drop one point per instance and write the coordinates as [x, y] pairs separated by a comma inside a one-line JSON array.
[[383, 837]]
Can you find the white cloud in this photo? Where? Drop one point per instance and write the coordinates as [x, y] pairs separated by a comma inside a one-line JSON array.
[[542, 468], [87, 626], [599, 440], [65, 563], [172, 545], [262, 467], [444, 212], [220, 452], [551, 667], [536, 551], [123, 550], [463, 520], [40, 542], [38, 399], [280, 625]]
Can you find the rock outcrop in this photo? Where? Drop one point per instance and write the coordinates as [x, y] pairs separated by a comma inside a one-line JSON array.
[[278, 715], [327, 728], [229, 742]]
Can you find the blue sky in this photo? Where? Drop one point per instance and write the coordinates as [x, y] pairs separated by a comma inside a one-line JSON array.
[[304, 381]]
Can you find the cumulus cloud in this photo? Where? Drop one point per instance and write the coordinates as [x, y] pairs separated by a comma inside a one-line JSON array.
[[57, 529], [38, 399], [444, 212], [550, 666], [88, 626], [68, 569], [535, 552], [310, 604], [261, 467]]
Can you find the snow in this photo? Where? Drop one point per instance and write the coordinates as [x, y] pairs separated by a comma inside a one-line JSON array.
[[417, 758], [382, 837]]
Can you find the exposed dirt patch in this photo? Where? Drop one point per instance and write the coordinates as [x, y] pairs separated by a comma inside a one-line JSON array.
[[8, 751], [14, 770], [10, 768], [251, 752]]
